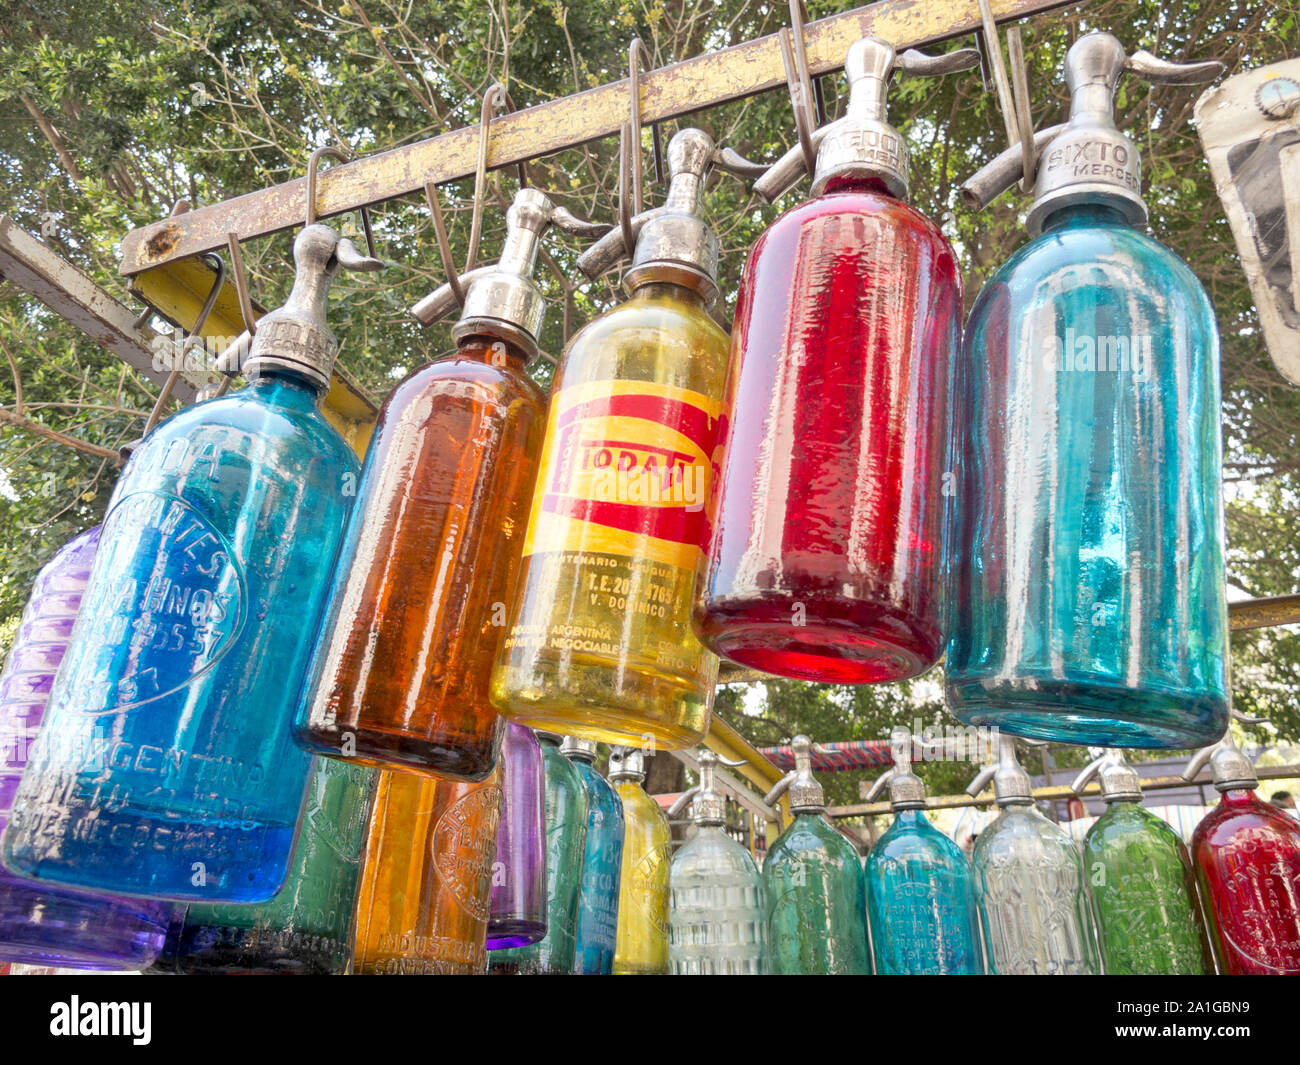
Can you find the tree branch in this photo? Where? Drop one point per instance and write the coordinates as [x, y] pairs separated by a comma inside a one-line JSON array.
[[18, 381], [54, 137], [397, 67], [19, 421]]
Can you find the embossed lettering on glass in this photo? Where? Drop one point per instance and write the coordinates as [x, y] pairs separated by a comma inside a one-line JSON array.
[[166, 765]]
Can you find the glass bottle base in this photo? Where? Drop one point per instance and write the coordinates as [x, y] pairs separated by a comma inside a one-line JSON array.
[[595, 700], [625, 968], [76, 933], [236, 951], [605, 726], [384, 749], [792, 639], [515, 932], [1090, 713], [202, 870]]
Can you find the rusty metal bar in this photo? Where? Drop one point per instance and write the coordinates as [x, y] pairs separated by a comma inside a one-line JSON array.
[[669, 92], [39, 271], [1264, 613], [1056, 791], [726, 742], [73, 296]]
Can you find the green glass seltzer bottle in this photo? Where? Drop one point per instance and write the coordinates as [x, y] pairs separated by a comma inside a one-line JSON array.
[[1142, 883], [813, 886]]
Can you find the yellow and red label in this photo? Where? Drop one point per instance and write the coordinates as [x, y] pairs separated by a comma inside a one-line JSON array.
[[626, 470]]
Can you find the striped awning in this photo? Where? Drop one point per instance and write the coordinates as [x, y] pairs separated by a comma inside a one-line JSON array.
[[852, 754]]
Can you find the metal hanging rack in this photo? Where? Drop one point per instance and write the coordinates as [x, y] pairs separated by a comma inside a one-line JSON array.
[[1052, 793], [683, 88]]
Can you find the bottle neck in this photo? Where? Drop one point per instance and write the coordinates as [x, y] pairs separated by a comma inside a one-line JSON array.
[[850, 183], [1238, 797], [1085, 214], [484, 347], [910, 818], [287, 389], [656, 288]]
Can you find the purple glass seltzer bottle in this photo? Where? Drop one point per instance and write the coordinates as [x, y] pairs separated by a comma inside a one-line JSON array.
[[518, 907], [41, 924]]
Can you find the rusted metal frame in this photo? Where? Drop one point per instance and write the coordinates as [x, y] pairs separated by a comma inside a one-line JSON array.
[[684, 88], [1056, 791], [730, 745], [754, 766], [1264, 613], [751, 767]]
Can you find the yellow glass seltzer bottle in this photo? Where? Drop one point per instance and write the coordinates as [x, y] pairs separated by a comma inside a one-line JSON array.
[[641, 947], [599, 643]]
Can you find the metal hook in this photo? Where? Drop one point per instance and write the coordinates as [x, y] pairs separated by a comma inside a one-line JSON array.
[[629, 147], [522, 166], [444, 245], [798, 20], [496, 91], [313, 164], [628, 160], [1018, 126], [800, 89], [165, 393], [241, 283], [495, 95], [1024, 116], [637, 56]]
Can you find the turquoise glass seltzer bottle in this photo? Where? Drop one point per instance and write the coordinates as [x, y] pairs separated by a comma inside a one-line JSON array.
[[1141, 882], [166, 764], [920, 886], [812, 885], [602, 865], [1086, 597]]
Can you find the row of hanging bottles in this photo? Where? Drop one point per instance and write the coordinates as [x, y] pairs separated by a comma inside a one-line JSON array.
[[293, 714]]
